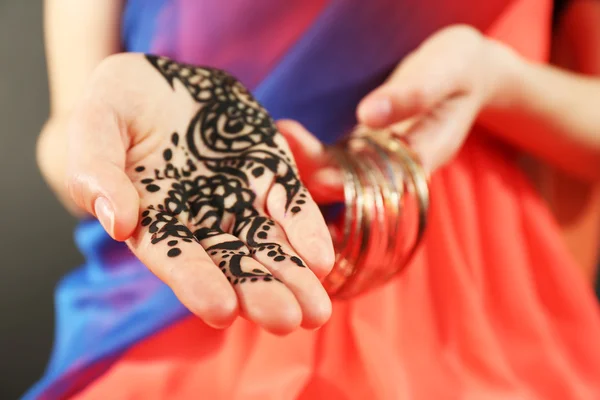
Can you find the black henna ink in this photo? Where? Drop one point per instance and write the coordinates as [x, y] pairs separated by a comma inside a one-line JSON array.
[[233, 138], [174, 252], [152, 188]]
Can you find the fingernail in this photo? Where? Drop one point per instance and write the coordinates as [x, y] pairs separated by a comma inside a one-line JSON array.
[[375, 110], [105, 214]]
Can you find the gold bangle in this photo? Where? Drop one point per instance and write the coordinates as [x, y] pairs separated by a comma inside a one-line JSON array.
[[417, 187], [386, 198]]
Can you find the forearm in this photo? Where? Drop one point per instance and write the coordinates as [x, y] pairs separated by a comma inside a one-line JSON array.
[[550, 113], [78, 36]]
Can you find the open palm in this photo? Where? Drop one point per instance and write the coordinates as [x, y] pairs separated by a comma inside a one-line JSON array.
[[223, 217]]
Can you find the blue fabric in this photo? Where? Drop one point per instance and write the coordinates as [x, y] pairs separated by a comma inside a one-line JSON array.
[[140, 18], [102, 308]]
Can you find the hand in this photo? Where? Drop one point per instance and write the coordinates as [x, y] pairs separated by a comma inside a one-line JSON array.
[[431, 100], [436, 93], [186, 167]]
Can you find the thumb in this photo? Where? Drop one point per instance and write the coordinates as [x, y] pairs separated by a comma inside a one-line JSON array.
[[417, 84], [96, 177], [442, 67], [407, 93]]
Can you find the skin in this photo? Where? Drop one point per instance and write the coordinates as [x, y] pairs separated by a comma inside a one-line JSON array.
[[121, 167], [118, 113], [574, 201], [111, 113], [78, 36], [458, 77]]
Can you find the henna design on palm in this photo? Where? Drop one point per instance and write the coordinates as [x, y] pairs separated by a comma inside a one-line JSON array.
[[207, 178]]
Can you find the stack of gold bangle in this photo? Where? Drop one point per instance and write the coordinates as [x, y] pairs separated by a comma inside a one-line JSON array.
[[386, 198]]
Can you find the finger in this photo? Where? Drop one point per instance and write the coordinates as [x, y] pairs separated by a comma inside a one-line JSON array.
[[326, 185], [277, 188], [263, 298], [317, 168], [433, 136], [308, 151], [204, 204], [95, 173], [304, 227], [168, 248], [271, 248], [407, 93]]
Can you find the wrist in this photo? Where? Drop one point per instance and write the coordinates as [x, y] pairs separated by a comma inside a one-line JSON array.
[[507, 72]]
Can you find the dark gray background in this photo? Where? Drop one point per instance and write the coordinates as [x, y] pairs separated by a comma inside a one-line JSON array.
[[36, 234]]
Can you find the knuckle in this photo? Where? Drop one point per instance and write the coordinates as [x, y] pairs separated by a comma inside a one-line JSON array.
[[418, 96]]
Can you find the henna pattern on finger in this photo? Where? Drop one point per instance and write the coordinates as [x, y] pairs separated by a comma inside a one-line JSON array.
[[230, 142]]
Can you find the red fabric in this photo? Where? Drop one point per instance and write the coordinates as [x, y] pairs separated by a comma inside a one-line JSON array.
[[492, 307]]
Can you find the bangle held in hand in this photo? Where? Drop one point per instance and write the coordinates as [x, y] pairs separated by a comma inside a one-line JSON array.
[[386, 200]]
